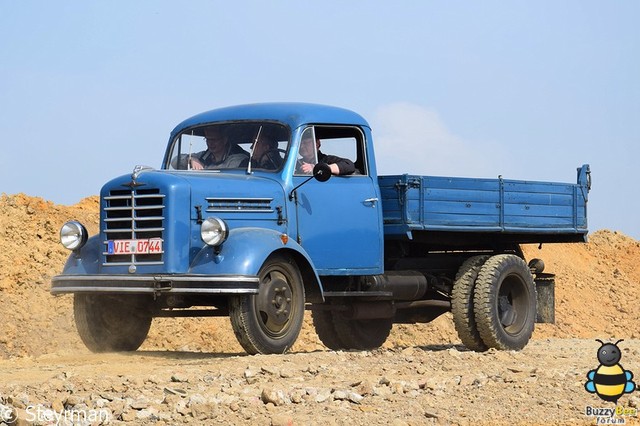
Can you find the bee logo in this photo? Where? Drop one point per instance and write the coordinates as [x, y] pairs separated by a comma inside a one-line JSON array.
[[609, 381]]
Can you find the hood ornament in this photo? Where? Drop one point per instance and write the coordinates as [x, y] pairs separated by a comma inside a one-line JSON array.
[[137, 171]]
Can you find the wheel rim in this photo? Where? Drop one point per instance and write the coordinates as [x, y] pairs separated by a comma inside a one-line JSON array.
[[513, 304], [273, 303]]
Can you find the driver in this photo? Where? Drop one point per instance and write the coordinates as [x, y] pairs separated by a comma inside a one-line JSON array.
[[220, 153]]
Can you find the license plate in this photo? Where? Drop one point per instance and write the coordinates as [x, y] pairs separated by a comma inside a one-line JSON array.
[[144, 246]]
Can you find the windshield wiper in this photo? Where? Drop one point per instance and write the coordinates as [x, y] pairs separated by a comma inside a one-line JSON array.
[[253, 146]]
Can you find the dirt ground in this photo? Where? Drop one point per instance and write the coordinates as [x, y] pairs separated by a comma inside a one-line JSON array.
[[194, 371]]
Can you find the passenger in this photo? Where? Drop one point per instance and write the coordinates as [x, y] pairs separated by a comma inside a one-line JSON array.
[[220, 154], [265, 154], [308, 152]]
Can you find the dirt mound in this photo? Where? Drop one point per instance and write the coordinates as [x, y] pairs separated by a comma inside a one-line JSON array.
[[33, 322], [597, 284], [596, 288]]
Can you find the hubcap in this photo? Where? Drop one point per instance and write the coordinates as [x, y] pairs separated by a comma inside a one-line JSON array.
[[512, 304], [273, 302], [507, 313]]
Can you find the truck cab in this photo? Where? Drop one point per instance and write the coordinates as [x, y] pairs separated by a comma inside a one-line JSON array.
[[299, 210]]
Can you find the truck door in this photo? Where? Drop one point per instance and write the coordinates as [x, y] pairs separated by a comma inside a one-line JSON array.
[[339, 221]]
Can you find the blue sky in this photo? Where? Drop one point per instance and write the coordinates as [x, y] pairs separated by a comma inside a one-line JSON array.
[[528, 90]]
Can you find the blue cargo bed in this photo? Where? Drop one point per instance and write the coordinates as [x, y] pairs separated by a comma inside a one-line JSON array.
[[449, 204]]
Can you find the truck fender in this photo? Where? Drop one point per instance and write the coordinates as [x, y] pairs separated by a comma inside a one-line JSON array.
[[245, 251], [85, 261]]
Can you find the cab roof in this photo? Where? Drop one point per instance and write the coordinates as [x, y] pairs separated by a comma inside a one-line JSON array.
[[292, 114]]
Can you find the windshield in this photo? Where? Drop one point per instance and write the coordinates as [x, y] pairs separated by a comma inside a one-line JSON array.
[[248, 146]]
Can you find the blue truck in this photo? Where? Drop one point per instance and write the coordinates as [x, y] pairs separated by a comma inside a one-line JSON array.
[[246, 219]]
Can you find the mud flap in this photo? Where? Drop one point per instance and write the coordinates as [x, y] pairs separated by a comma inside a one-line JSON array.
[[545, 291]]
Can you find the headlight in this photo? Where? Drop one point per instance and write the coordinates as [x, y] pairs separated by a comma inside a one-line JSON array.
[[214, 231], [73, 235]]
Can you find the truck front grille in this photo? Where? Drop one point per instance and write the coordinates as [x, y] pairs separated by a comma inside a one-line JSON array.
[[133, 214]]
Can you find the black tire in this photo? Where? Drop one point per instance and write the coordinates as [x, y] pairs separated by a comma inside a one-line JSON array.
[[326, 331], [111, 323], [362, 334], [269, 322], [462, 303], [505, 302]]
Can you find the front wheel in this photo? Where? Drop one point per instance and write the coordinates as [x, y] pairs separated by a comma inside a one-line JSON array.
[[505, 302], [269, 322], [362, 334], [325, 329], [111, 323]]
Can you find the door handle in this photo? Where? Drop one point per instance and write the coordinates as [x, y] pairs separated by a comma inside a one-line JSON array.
[[371, 201]]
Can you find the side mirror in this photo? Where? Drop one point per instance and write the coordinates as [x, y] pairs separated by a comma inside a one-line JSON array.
[[322, 172]]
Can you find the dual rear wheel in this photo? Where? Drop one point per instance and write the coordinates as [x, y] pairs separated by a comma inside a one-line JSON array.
[[494, 303]]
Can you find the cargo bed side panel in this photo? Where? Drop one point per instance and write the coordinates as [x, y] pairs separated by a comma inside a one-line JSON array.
[[417, 203]]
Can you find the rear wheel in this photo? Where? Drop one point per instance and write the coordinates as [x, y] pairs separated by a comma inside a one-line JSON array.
[[269, 322], [505, 302], [462, 303], [111, 323]]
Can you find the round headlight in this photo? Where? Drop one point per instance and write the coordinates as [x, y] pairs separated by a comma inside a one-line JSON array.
[[73, 235], [214, 231]]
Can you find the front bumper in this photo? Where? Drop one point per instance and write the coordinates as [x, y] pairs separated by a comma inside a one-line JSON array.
[[155, 284]]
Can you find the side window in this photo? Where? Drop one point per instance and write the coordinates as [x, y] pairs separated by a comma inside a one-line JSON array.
[[186, 146], [307, 153], [342, 146]]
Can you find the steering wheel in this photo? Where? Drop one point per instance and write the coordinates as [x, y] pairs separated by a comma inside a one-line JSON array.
[[274, 157]]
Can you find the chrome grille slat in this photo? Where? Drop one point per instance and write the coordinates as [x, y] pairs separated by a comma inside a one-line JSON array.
[[138, 196], [137, 208], [136, 218], [111, 209], [133, 214], [134, 230]]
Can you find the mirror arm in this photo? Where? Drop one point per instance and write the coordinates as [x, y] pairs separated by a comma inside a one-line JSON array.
[[293, 194]]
